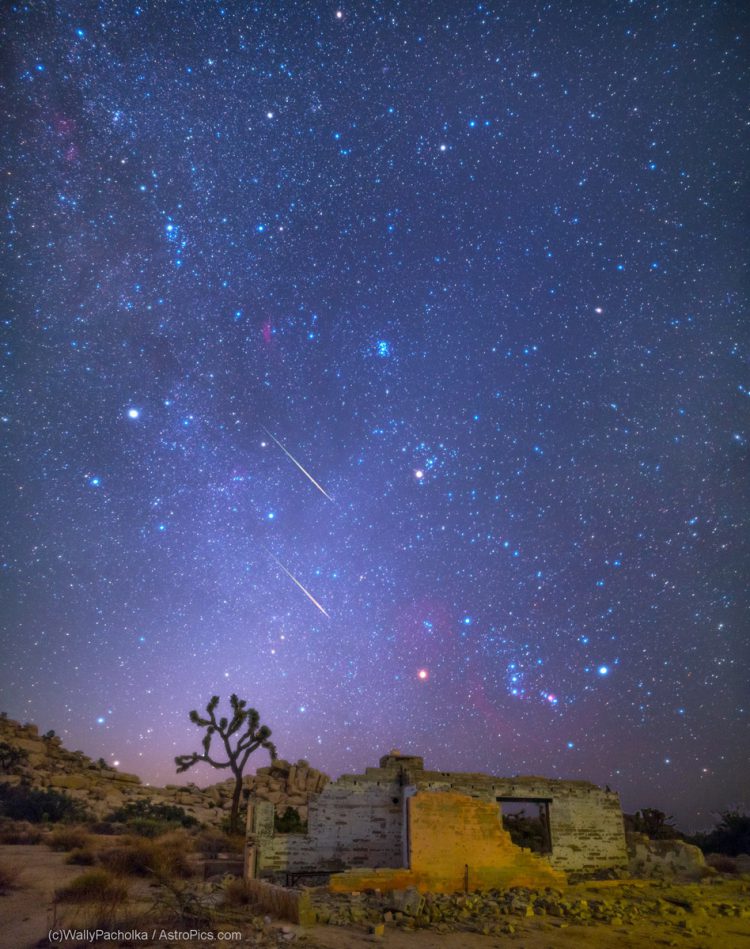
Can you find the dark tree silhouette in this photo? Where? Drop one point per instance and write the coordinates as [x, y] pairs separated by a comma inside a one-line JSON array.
[[241, 736], [654, 823], [730, 836]]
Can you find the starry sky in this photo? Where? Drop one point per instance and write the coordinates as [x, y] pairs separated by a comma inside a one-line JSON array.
[[385, 364]]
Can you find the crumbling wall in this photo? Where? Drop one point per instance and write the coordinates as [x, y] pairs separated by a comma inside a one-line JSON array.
[[359, 820], [586, 826], [349, 825], [456, 843], [294, 905], [587, 829]]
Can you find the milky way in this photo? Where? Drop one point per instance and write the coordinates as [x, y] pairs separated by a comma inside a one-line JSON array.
[[433, 308]]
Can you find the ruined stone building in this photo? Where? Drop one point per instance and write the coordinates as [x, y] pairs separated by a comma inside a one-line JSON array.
[[398, 825]]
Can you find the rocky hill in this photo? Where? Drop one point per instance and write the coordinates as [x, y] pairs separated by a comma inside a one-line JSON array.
[[43, 762]]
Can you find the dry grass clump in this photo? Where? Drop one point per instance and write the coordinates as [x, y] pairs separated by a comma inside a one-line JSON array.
[[19, 832], [68, 838], [9, 877], [237, 893], [82, 857], [211, 842], [94, 886], [131, 857], [166, 856]]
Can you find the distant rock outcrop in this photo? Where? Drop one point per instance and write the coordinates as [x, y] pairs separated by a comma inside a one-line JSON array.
[[41, 761], [665, 858]]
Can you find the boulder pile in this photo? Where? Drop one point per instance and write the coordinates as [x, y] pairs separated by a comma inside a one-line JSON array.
[[665, 858], [42, 762]]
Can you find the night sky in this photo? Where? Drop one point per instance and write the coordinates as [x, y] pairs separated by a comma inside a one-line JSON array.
[[385, 364]]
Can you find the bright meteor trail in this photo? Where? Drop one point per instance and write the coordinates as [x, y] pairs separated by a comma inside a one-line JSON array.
[[292, 577], [304, 472]]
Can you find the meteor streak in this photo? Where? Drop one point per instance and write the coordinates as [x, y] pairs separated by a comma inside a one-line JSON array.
[[292, 458], [295, 580]]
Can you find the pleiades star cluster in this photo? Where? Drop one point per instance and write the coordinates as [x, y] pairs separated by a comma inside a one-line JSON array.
[[385, 364]]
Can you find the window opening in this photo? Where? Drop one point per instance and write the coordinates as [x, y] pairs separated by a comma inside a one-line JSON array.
[[527, 822]]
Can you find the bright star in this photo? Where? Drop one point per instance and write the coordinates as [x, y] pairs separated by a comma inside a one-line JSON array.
[[383, 348], [603, 670], [134, 413], [423, 675]]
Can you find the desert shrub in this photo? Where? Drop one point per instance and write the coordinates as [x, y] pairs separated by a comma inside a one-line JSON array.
[[226, 827], [19, 832], [138, 856], [653, 823], [177, 903], [152, 814], [93, 886], [290, 822], [11, 758], [68, 838], [82, 857], [145, 827], [172, 851], [37, 806], [132, 857], [236, 893], [212, 842], [105, 828], [8, 878], [722, 863], [730, 836]]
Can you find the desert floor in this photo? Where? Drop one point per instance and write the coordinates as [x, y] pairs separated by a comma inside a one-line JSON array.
[[27, 913]]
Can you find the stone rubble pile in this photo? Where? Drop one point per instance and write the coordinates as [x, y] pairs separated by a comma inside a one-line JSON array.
[[102, 789], [499, 913]]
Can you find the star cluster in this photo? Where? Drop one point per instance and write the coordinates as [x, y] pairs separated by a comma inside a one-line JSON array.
[[384, 364]]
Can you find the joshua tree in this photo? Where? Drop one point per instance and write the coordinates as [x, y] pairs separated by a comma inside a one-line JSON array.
[[243, 730]]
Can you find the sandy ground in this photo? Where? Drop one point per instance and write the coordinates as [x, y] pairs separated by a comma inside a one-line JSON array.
[[27, 913]]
